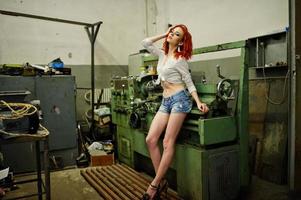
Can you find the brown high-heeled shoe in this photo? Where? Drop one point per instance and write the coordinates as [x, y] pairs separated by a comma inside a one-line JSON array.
[[157, 194]]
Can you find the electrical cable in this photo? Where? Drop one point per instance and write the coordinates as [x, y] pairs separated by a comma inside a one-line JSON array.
[[45, 133], [87, 96], [283, 90], [18, 110]]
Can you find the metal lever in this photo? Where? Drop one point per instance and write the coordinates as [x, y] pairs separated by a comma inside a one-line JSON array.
[[218, 70], [123, 86]]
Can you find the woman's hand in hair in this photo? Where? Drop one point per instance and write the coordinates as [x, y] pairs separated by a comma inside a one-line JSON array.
[[168, 31]]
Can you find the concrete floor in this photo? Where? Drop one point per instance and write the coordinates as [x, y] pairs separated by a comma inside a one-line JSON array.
[[69, 184], [264, 190]]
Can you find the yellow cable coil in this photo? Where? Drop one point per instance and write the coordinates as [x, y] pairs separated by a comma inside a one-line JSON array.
[[18, 110]]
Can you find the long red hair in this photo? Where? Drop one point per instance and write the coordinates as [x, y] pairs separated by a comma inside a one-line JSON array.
[[186, 48]]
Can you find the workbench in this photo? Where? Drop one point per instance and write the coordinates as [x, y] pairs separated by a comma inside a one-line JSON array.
[[40, 136]]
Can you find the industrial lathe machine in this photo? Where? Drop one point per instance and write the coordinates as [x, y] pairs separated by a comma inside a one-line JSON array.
[[211, 159]]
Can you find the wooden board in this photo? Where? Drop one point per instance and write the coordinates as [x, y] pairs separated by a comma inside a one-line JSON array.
[[120, 182]]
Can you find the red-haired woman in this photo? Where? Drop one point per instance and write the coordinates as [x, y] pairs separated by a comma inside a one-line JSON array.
[[173, 73]]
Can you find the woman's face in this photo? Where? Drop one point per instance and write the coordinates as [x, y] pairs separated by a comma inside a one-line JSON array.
[[175, 36]]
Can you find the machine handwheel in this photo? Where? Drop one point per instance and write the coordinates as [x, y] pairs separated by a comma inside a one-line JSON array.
[[224, 89], [135, 120]]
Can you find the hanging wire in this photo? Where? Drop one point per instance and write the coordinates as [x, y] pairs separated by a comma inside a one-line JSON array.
[[283, 90]]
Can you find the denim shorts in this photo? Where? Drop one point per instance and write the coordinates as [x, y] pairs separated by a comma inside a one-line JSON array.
[[178, 102]]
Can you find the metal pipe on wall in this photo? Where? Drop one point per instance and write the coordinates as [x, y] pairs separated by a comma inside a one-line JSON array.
[[292, 119]]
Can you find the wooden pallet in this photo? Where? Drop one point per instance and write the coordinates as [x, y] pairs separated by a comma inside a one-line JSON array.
[[120, 182]]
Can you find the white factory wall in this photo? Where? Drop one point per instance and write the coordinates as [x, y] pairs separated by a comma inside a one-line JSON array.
[[37, 41], [126, 22], [219, 21]]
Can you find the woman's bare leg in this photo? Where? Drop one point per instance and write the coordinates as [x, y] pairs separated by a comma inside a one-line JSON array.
[[173, 128], [158, 125]]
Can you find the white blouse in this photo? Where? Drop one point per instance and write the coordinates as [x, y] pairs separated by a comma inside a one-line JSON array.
[[174, 70]]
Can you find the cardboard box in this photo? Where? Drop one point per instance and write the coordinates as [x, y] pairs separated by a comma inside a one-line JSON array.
[[101, 158], [104, 120]]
